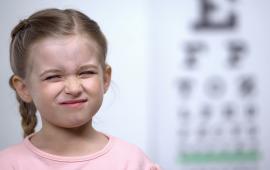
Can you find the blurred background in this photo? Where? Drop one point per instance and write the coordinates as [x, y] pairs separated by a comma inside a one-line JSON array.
[[190, 78]]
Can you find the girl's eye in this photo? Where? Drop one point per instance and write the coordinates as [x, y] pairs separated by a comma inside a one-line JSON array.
[[87, 73], [53, 77]]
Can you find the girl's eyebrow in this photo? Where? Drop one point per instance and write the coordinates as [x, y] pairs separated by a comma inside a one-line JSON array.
[[84, 67], [87, 66]]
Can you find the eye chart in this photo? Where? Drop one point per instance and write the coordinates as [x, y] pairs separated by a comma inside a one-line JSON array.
[[210, 83]]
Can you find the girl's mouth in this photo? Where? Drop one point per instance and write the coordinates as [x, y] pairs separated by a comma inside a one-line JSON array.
[[73, 103]]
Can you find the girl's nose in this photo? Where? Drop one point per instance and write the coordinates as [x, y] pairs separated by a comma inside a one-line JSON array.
[[73, 86]]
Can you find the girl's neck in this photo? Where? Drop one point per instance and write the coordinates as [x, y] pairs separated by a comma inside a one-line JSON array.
[[77, 141]]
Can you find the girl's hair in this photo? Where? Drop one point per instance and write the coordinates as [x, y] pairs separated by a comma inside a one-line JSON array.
[[40, 25]]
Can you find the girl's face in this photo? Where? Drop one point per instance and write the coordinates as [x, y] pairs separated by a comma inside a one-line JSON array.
[[66, 80]]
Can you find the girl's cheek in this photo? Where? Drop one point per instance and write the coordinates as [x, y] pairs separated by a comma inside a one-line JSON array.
[[52, 87], [93, 83]]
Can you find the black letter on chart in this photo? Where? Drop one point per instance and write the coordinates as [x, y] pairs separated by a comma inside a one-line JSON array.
[[210, 9]]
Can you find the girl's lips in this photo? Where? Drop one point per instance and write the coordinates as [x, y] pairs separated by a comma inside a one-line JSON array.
[[73, 103]]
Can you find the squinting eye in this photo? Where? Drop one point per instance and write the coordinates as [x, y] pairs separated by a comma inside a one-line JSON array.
[[53, 77], [87, 73]]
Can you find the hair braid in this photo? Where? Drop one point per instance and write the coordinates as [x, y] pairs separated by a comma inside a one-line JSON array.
[[28, 114]]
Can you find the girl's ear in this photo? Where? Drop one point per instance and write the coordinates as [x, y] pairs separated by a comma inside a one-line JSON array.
[[107, 77], [21, 89]]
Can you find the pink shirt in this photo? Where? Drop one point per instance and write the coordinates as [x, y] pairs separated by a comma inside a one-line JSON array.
[[116, 155]]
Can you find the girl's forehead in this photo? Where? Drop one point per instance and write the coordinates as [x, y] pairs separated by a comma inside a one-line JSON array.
[[68, 51], [65, 42]]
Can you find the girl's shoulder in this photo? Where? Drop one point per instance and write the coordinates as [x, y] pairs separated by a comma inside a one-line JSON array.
[[12, 150], [125, 147], [132, 154], [11, 154]]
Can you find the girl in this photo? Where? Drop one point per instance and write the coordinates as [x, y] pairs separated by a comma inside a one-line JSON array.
[[58, 60]]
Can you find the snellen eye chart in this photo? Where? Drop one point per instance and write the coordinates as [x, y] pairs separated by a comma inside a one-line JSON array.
[[211, 84]]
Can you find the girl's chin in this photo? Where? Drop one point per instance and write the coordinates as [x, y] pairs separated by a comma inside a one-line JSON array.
[[77, 124]]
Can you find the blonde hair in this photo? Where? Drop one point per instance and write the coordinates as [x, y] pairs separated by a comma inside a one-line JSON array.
[[40, 25]]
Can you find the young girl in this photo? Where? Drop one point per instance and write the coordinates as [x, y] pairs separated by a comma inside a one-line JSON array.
[[58, 60]]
